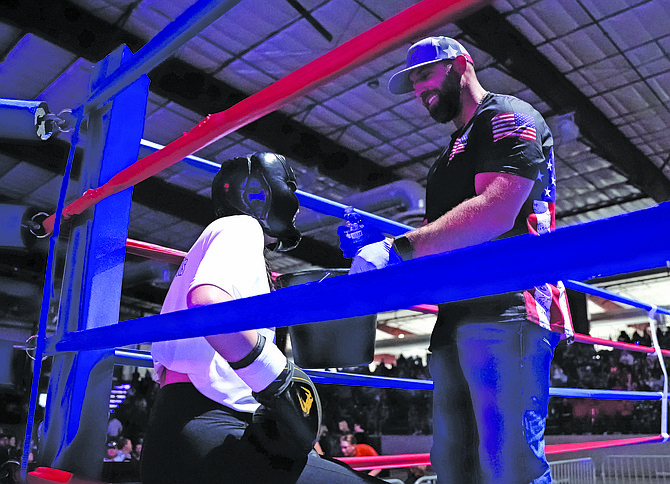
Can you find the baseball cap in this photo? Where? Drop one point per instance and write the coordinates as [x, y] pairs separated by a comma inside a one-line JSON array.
[[426, 51]]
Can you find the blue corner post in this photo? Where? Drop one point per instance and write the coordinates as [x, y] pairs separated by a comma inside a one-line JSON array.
[[75, 425]]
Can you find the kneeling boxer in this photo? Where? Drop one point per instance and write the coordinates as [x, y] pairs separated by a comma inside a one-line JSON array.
[[232, 408]]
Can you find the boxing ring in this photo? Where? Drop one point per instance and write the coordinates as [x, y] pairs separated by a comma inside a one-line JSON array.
[[85, 345]]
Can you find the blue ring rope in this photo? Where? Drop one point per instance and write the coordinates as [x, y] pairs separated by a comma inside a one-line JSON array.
[[597, 291], [143, 358], [327, 377], [472, 273], [307, 200], [336, 209]]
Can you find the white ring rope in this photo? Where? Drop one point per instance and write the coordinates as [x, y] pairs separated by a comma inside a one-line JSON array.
[[657, 347]]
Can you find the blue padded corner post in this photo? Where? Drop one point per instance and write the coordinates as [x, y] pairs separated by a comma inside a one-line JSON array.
[[75, 423]]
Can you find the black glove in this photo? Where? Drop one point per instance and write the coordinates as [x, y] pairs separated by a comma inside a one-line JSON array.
[[288, 421]]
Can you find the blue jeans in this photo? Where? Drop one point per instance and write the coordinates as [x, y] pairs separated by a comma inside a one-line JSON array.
[[490, 403]]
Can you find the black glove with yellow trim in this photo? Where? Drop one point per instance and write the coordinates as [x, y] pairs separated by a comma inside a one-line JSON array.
[[288, 421]]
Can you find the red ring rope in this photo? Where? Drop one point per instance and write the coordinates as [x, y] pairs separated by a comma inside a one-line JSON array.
[[174, 256], [155, 252], [413, 22], [404, 460], [407, 460]]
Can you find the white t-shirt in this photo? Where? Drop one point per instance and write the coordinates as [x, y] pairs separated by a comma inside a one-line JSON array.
[[229, 255]]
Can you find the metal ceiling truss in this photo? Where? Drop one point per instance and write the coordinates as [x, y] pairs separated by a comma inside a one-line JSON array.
[[491, 32], [71, 27]]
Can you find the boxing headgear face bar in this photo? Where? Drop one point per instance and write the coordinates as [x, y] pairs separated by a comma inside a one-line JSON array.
[[263, 186]]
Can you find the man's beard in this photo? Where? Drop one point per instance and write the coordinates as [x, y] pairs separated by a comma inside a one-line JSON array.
[[448, 102]]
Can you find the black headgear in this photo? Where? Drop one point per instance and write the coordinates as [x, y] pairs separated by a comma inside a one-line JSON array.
[[261, 185]]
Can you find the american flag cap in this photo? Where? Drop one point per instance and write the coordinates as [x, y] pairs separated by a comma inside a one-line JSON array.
[[426, 51]]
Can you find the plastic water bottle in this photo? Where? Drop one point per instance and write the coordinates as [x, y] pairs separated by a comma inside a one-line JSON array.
[[353, 235]]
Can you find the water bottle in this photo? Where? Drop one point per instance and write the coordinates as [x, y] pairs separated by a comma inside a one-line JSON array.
[[352, 236]]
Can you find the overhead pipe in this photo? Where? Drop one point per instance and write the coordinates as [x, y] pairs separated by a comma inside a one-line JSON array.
[[24, 120], [403, 193], [406, 195]]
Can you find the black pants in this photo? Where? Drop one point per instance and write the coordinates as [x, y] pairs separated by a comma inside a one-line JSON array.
[[192, 439]]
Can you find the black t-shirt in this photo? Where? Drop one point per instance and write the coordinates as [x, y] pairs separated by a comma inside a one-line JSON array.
[[505, 135]]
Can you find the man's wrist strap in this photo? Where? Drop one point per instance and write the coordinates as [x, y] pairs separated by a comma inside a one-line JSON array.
[[403, 247]]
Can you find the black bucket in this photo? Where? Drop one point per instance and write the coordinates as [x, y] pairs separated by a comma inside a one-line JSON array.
[[330, 344]]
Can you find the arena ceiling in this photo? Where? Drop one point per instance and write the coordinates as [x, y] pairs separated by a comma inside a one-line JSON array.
[[598, 71]]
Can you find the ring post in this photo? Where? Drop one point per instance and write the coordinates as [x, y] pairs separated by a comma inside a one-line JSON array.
[[75, 423], [167, 41]]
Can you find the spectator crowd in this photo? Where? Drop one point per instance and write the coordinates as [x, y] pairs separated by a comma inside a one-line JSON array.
[[369, 412]]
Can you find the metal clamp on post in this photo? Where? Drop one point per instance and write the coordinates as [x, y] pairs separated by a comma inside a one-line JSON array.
[[24, 120], [29, 346], [64, 121], [35, 226], [21, 226]]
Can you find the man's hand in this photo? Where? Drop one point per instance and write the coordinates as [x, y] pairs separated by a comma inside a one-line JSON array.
[[375, 256], [349, 250]]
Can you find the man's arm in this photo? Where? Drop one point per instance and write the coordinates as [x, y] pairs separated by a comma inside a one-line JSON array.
[[233, 346], [487, 215]]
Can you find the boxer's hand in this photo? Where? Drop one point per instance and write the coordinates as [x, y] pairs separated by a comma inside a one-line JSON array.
[[289, 418]]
